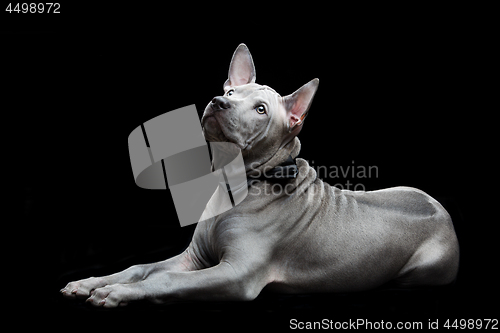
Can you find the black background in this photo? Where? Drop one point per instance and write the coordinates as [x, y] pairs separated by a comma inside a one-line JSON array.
[[397, 91]]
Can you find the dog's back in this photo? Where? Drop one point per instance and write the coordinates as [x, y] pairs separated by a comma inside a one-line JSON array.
[[359, 240]]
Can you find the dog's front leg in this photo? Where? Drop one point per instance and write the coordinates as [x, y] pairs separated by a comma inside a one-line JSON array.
[[217, 283], [133, 274]]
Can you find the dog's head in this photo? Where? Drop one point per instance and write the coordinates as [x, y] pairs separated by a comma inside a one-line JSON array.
[[255, 117]]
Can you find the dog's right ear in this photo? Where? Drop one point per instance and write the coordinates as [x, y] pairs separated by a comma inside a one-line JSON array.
[[241, 69]]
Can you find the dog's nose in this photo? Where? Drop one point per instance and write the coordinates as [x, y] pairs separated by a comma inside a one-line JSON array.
[[220, 103]]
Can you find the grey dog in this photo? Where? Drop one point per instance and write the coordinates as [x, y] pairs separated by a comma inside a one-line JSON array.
[[310, 237]]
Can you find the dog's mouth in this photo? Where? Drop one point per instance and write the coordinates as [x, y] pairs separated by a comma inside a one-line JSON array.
[[212, 129], [215, 132]]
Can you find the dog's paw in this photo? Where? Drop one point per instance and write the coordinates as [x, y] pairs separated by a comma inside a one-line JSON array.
[[82, 288], [112, 296]]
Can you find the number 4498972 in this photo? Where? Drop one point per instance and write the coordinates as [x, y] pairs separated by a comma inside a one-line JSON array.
[[34, 7], [471, 324]]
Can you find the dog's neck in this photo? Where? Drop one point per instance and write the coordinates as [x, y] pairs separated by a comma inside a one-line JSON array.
[[257, 168], [254, 168]]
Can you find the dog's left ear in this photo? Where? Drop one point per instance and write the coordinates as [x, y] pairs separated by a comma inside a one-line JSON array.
[[241, 69], [297, 105]]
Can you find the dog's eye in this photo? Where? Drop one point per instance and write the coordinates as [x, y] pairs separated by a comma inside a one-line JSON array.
[[230, 92], [260, 109]]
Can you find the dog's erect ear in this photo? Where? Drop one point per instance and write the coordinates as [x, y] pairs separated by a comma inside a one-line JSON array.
[[241, 69], [297, 104]]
